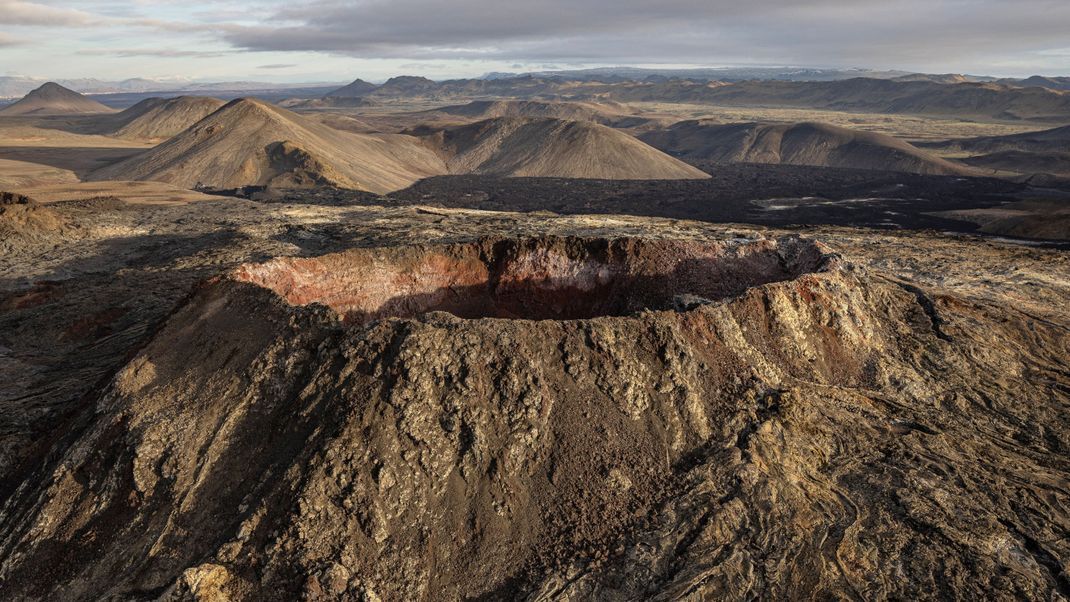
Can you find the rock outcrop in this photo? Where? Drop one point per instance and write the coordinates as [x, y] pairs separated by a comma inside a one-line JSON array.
[[559, 418]]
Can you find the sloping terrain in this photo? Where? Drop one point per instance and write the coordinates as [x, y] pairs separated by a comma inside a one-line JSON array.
[[327, 102], [779, 423], [1044, 151], [357, 89], [21, 217], [1036, 219], [160, 118], [604, 113], [248, 142], [815, 144], [554, 148], [1024, 162], [54, 99], [977, 100], [936, 78], [1055, 83], [1053, 140], [402, 86]]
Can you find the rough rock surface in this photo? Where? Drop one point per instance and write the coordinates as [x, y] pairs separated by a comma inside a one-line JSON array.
[[21, 217], [813, 429]]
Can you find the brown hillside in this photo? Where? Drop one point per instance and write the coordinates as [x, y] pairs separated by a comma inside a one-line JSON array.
[[816, 144], [159, 118], [54, 99], [969, 99], [604, 113], [249, 142], [356, 89], [555, 148], [1025, 162], [1053, 140]]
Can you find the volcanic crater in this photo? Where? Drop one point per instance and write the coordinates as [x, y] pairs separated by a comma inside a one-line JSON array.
[[319, 429], [534, 278]]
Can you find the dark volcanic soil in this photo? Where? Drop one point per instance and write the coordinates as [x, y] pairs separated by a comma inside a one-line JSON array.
[[771, 195], [779, 196]]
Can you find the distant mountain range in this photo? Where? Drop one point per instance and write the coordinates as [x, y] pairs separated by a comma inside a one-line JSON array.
[[18, 86], [931, 95], [725, 74], [12, 87]]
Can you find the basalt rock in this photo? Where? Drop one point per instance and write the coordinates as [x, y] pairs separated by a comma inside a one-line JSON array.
[[23, 218], [560, 418]]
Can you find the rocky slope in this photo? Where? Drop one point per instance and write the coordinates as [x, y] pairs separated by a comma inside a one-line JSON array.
[[1051, 140], [606, 418], [21, 218], [162, 118], [1044, 151], [358, 88], [815, 144], [249, 142]]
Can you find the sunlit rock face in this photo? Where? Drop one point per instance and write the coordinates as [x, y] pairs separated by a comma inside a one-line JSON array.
[[539, 278]]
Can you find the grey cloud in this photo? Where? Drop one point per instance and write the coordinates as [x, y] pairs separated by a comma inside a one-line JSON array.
[[278, 66], [701, 31]]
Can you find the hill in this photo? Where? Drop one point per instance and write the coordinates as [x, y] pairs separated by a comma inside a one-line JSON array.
[[249, 142], [327, 102], [1055, 83], [512, 146], [983, 100], [158, 118], [54, 99], [575, 111], [925, 95], [1024, 162], [358, 88], [937, 78], [1044, 151], [404, 86], [1053, 140], [606, 113], [816, 144]]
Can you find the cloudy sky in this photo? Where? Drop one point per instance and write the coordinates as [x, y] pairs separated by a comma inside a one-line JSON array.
[[332, 40]]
